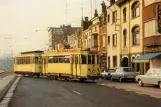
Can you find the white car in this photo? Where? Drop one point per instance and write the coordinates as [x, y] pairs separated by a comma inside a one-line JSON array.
[[124, 73], [106, 74], [152, 77]]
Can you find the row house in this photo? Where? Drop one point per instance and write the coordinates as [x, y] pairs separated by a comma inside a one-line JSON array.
[[133, 34], [151, 34], [94, 33], [124, 26]]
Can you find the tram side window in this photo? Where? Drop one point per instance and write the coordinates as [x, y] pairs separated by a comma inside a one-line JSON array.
[[84, 59], [67, 59], [56, 59], [97, 59], [93, 59], [36, 60], [61, 59], [51, 59]]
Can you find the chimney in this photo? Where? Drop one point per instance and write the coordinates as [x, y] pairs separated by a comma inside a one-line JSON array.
[[103, 7], [112, 2], [86, 19], [95, 13]]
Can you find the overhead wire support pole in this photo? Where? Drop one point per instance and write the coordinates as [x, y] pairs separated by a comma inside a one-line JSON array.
[[66, 9]]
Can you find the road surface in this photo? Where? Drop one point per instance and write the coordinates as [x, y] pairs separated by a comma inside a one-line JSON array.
[[34, 92]]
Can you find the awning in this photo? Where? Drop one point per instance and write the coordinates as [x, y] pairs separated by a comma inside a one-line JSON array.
[[146, 57]]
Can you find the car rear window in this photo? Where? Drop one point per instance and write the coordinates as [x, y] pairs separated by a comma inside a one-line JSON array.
[[128, 70]]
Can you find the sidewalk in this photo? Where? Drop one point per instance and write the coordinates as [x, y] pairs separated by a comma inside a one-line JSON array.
[[5, 84], [153, 91]]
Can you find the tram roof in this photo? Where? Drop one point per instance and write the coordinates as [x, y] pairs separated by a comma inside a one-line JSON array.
[[32, 52]]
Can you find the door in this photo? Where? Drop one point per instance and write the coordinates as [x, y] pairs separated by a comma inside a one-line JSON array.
[[78, 64], [74, 64]]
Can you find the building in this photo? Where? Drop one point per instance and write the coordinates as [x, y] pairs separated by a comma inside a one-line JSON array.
[[73, 39], [113, 36], [102, 40], [151, 34], [124, 26], [90, 32], [58, 36]]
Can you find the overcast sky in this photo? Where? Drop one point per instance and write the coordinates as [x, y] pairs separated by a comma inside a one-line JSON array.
[[21, 18]]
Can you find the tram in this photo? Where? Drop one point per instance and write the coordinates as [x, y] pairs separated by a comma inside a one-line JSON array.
[[59, 64], [28, 63], [71, 64]]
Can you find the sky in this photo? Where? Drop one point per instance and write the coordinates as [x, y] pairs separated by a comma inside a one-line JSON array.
[[21, 18]]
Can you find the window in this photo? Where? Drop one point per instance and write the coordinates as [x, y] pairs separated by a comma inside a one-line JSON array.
[[109, 62], [108, 17], [114, 17], [136, 36], [103, 41], [36, 60], [108, 40], [135, 9], [95, 29], [61, 59], [125, 37], [56, 59], [114, 61], [93, 59], [50, 59], [124, 15], [89, 59], [114, 39], [67, 59], [84, 59]]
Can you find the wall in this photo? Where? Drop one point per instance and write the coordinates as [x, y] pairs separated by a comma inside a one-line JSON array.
[[112, 29], [156, 63]]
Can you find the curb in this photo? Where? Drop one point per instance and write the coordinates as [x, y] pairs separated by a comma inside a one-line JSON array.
[[5, 89]]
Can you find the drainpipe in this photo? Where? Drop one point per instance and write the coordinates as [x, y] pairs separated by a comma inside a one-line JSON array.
[[130, 62]]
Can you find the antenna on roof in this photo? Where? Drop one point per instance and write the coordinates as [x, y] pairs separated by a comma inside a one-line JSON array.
[[66, 11]]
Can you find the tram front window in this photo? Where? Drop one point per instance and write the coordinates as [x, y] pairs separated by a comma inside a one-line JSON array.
[[84, 59]]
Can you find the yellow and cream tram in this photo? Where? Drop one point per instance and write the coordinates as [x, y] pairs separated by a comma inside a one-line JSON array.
[[64, 64], [28, 63], [71, 64]]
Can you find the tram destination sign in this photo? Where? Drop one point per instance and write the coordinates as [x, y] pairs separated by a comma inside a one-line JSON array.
[[57, 31], [159, 18]]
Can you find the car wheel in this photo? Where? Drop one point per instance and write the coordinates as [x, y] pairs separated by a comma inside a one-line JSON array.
[[159, 84], [120, 79], [141, 83]]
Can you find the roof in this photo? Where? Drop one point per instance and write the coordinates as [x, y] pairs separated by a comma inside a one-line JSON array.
[[31, 52]]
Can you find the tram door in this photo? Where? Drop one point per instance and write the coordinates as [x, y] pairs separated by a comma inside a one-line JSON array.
[[44, 65], [76, 66], [40, 63]]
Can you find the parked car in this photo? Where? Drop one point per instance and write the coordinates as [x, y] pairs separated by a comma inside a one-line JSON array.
[[152, 77], [124, 73], [106, 74]]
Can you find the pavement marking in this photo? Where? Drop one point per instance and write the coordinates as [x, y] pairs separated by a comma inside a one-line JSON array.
[[139, 92], [127, 90], [76, 92]]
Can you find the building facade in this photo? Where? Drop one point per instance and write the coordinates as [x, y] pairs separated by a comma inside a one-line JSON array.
[[151, 27], [124, 26], [102, 40], [58, 36], [73, 39]]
